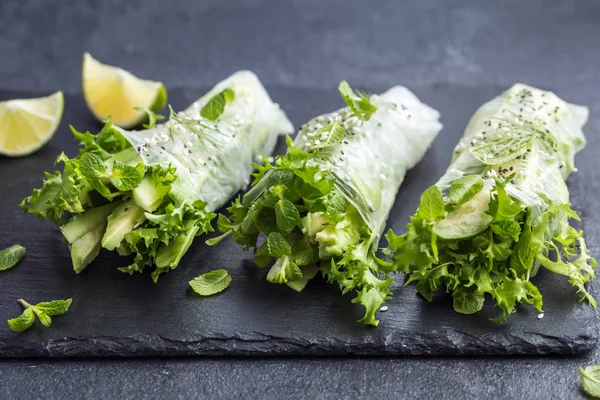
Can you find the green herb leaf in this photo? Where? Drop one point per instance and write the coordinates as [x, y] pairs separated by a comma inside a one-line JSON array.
[[286, 215], [22, 322], [432, 204], [152, 117], [462, 189], [262, 258], [11, 256], [211, 282], [467, 302], [334, 132], [277, 245], [54, 307], [92, 166], [590, 380], [125, 177], [43, 317], [216, 105], [359, 104]]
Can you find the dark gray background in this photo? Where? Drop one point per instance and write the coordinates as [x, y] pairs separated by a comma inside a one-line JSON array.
[[312, 45]]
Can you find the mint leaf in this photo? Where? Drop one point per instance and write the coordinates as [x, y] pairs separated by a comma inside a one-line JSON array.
[[11, 256], [359, 104], [262, 258], [22, 322], [286, 215], [334, 134], [92, 166], [216, 105], [43, 317], [211, 282], [590, 380], [432, 204], [277, 245], [462, 189], [125, 177], [54, 307], [511, 229]]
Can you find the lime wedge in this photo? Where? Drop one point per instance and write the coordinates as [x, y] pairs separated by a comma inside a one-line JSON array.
[[113, 92], [28, 124]]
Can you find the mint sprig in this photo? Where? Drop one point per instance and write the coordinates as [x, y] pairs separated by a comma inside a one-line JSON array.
[[43, 310]]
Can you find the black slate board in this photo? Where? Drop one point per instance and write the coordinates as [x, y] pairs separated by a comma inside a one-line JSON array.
[[114, 314]]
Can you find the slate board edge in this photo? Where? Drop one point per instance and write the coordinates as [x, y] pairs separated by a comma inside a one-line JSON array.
[[448, 342]]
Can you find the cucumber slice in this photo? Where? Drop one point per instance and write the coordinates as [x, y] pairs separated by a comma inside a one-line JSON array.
[[468, 220]]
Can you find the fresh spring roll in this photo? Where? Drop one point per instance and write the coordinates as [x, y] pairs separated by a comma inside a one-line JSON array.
[[502, 208], [149, 193], [323, 206]]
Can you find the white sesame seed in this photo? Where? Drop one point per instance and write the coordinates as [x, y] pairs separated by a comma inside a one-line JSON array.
[[541, 315], [383, 308]]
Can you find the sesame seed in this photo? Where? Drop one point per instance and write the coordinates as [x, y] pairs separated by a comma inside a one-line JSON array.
[[383, 308]]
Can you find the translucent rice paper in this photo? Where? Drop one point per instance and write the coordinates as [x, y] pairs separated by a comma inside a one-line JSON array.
[[540, 175], [213, 158], [370, 164]]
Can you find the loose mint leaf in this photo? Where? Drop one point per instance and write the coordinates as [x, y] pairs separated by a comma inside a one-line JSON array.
[[54, 307], [334, 134], [216, 105], [211, 282], [125, 177], [286, 215], [359, 104], [432, 204], [462, 189], [22, 322], [590, 380], [277, 245], [92, 166], [11, 256], [467, 302], [511, 229]]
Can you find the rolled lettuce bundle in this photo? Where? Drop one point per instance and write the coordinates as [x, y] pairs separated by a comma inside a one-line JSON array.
[[502, 208], [149, 193], [323, 206]]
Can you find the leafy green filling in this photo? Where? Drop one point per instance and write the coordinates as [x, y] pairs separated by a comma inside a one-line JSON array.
[[146, 220], [306, 222], [500, 260]]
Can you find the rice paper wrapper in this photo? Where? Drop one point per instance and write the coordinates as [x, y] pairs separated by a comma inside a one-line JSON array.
[[213, 158]]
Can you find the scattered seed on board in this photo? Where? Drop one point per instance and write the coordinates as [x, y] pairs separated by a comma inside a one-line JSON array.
[[540, 316], [383, 308]]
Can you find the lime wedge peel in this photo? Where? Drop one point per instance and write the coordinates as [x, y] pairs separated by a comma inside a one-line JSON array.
[[112, 92], [28, 124]]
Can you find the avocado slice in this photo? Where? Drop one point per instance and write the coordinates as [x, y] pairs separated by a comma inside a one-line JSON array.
[[82, 223], [120, 222]]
